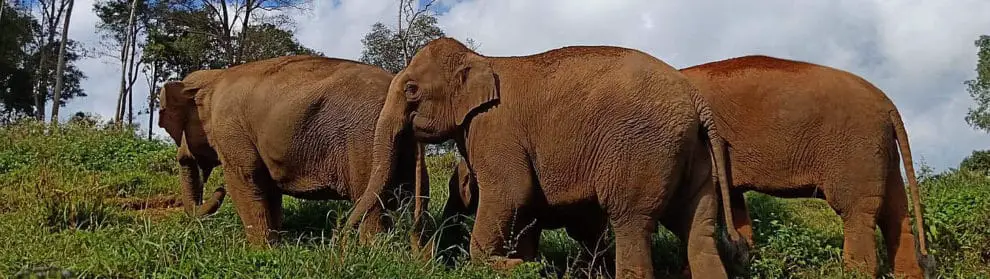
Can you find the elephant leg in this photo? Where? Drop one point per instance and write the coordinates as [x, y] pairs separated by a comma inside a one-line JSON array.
[[740, 216], [499, 230], [256, 202], [591, 235], [859, 226], [374, 222], [694, 222], [896, 228], [633, 257], [452, 231], [504, 217]]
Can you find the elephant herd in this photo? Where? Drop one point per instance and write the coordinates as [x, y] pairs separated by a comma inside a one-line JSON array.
[[585, 138]]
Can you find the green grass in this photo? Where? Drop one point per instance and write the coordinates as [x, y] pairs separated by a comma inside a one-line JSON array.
[[60, 213]]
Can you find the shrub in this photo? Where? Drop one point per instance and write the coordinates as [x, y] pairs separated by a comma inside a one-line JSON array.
[[979, 162]]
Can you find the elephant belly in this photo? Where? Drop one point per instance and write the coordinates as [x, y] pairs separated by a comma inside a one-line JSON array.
[[328, 187]]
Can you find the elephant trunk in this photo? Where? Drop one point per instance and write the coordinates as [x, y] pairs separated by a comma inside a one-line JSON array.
[[421, 228], [192, 187], [390, 125]]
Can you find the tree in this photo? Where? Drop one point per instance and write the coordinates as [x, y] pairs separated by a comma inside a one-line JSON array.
[[52, 12], [60, 72], [979, 88], [267, 40], [16, 87], [71, 75], [223, 22], [979, 161], [122, 25], [392, 49], [187, 35]]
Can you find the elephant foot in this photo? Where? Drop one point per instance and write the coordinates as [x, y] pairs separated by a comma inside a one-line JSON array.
[[504, 264], [424, 250]]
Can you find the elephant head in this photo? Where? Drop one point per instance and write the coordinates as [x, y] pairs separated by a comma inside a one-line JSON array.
[[434, 98], [180, 117]]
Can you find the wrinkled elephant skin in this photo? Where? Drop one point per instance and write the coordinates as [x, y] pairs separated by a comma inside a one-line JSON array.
[[804, 130], [563, 138], [294, 125]]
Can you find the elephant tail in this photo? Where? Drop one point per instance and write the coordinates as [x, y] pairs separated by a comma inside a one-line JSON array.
[[905, 149], [722, 167]]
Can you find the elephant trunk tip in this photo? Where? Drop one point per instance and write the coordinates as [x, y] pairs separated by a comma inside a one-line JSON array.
[[209, 207]]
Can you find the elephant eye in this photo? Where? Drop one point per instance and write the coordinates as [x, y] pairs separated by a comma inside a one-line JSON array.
[[411, 90]]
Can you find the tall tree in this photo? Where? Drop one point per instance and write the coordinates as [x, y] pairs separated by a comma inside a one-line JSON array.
[[392, 47], [153, 75], [122, 25], [18, 27], [52, 12], [60, 72], [188, 35], [979, 88], [227, 19]]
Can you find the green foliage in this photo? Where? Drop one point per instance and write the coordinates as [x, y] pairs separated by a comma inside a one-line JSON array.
[[18, 28], [63, 190], [390, 49], [957, 207], [979, 88], [978, 162], [267, 41], [20, 58], [72, 86]]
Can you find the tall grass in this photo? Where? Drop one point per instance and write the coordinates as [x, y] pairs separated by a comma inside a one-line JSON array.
[[61, 213]]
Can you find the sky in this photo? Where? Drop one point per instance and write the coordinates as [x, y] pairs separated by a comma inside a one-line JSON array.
[[918, 52]]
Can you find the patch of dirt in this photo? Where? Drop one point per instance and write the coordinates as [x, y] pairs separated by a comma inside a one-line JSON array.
[[158, 214]]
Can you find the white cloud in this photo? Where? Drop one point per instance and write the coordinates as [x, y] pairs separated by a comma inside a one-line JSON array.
[[918, 52]]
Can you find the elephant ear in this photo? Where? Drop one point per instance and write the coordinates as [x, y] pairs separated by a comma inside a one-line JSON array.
[[478, 87], [176, 101]]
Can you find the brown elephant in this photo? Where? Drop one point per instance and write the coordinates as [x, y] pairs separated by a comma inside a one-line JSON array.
[[559, 139], [463, 202], [804, 130], [294, 125]]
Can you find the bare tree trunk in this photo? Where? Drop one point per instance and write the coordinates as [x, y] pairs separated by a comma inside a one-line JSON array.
[[132, 76], [60, 72], [152, 89], [124, 59], [249, 7], [50, 15], [41, 90]]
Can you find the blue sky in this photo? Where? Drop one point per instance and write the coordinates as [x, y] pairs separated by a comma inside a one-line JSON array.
[[919, 52]]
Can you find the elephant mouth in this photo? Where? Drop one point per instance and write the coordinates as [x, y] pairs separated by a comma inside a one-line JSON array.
[[425, 128]]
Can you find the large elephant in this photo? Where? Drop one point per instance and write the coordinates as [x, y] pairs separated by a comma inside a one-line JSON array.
[[294, 125], [578, 137], [804, 130]]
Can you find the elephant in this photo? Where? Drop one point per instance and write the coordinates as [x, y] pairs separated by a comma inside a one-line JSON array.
[[580, 138], [463, 201], [297, 125], [798, 129]]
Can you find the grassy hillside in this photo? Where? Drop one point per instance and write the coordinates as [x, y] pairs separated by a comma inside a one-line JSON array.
[[62, 210]]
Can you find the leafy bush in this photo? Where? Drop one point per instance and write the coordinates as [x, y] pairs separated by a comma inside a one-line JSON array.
[[957, 211], [979, 161]]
